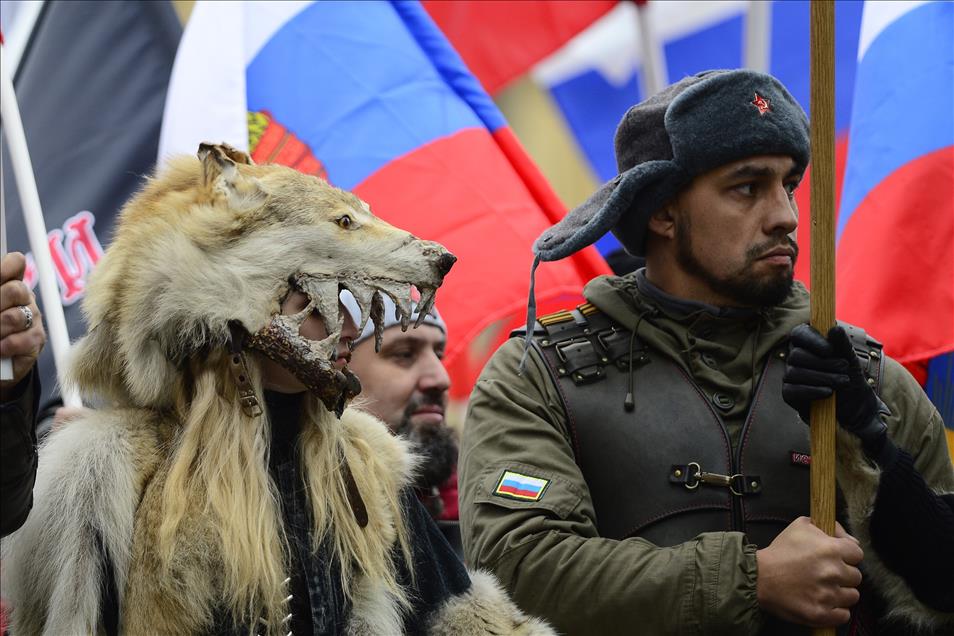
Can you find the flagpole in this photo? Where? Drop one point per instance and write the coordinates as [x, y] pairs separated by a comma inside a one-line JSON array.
[[758, 26], [36, 229], [6, 364], [654, 64], [823, 255]]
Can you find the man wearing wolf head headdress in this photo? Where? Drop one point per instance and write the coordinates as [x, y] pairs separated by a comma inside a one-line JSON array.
[[224, 486]]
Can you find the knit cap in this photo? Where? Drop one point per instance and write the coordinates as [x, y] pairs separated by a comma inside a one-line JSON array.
[[432, 318]]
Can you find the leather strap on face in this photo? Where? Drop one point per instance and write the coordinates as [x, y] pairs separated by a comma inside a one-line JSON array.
[[239, 369]]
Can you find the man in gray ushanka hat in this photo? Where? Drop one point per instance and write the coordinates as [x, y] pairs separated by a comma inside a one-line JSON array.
[[639, 464], [700, 123]]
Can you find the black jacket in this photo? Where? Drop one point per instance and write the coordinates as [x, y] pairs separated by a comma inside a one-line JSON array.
[[18, 458], [912, 529]]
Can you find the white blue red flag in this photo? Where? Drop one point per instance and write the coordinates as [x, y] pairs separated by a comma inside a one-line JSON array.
[[895, 231], [599, 73], [500, 40], [895, 259], [371, 96]]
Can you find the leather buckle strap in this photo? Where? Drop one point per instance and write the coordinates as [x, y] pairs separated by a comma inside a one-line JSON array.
[[580, 360], [239, 368], [691, 475]]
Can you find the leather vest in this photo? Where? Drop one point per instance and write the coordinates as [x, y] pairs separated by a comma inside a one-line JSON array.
[[662, 466]]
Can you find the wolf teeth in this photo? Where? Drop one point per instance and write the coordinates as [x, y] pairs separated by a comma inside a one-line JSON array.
[[400, 294], [327, 300], [377, 318], [425, 304], [322, 296], [405, 320], [405, 304], [362, 294]]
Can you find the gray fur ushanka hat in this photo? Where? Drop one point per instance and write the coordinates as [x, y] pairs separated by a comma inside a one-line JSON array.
[[697, 124]]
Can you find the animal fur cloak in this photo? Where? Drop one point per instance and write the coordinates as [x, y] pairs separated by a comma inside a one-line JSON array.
[[161, 498]]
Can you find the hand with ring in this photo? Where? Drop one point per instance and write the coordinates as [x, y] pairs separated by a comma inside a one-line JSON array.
[[21, 328]]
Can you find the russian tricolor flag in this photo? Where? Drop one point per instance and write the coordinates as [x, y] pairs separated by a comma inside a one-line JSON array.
[[895, 230], [599, 74], [895, 264], [519, 486], [371, 96]]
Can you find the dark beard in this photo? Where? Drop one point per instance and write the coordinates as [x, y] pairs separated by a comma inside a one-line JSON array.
[[437, 446], [743, 286]]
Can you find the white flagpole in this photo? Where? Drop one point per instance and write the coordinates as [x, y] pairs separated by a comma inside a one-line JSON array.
[[655, 75], [758, 25], [36, 229], [6, 364]]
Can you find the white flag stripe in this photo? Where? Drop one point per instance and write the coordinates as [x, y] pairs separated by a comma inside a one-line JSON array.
[[877, 16], [532, 482], [206, 98], [264, 19], [612, 44]]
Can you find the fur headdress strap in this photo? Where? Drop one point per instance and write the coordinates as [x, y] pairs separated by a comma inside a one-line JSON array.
[[358, 506], [239, 369]]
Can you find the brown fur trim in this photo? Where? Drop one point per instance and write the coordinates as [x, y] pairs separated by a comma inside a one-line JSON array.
[[485, 609], [858, 480], [392, 454], [179, 598], [104, 474], [374, 611]]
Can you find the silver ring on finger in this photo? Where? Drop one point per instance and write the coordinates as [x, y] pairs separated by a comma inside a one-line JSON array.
[[27, 316]]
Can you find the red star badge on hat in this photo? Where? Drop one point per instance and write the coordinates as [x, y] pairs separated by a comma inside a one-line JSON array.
[[761, 103]]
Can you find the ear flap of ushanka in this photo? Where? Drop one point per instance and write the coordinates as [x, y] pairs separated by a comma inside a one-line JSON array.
[[622, 205]]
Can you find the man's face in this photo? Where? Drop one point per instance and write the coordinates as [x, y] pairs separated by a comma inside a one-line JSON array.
[[406, 385], [732, 232]]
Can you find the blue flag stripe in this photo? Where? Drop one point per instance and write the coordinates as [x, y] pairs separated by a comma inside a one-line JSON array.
[[401, 106]]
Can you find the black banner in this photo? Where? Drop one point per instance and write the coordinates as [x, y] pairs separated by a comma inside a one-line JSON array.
[[91, 86]]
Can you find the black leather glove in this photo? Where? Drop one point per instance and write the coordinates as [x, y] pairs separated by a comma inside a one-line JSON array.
[[818, 367]]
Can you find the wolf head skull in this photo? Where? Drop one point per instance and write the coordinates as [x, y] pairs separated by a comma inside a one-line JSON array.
[[212, 244]]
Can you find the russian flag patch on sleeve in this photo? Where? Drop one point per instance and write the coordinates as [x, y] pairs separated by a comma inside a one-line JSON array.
[[514, 485]]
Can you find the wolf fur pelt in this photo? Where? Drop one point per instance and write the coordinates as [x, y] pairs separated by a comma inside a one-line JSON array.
[[168, 480], [858, 479]]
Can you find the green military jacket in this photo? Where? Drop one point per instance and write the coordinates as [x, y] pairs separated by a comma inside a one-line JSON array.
[[547, 551]]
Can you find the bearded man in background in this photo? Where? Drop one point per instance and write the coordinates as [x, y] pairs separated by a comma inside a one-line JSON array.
[[406, 386]]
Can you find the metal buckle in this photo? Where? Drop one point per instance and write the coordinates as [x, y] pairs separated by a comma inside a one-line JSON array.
[[247, 398], [714, 479]]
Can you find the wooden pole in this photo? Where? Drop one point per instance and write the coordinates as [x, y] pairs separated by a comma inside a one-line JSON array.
[[823, 254]]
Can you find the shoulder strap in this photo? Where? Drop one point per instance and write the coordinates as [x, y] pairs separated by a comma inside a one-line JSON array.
[[577, 346], [579, 343]]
